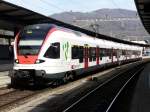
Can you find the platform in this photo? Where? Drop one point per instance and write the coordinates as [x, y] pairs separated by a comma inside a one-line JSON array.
[[4, 79], [140, 101], [6, 65]]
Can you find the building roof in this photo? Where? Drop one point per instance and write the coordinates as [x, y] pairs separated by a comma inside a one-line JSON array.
[[143, 7], [13, 16]]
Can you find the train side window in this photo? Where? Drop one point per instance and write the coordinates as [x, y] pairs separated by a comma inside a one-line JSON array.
[[93, 54], [53, 51], [135, 52], [123, 52], [75, 52], [115, 52], [104, 52], [101, 52], [139, 53], [81, 54], [109, 53], [90, 54]]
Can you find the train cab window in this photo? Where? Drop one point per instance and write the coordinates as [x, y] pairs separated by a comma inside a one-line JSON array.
[[75, 52], [53, 51]]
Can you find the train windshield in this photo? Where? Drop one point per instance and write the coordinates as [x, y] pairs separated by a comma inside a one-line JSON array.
[[31, 39]]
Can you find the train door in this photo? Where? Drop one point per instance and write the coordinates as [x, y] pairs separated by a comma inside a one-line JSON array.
[[86, 53], [97, 55]]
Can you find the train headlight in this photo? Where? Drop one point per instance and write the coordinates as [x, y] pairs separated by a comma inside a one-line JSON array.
[[39, 61], [16, 61]]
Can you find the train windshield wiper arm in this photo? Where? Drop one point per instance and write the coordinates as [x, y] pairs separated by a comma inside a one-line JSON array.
[[26, 55]]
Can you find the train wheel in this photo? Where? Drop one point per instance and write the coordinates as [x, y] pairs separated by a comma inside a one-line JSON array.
[[65, 78], [72, 75], [69, 76]]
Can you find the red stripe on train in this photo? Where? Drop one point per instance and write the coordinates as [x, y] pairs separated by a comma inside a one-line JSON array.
[[47, 36], [28, 59]]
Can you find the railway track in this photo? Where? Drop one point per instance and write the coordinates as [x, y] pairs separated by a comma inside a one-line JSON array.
[[14, 97], [5, 90], [121, 91], [103, 96], [10, 98]]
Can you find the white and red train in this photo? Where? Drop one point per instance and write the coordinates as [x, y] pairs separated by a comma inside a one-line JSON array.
[[46, 52]]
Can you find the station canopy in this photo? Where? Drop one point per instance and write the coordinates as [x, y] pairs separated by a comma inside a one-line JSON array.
[[14, 17], [143, 7]]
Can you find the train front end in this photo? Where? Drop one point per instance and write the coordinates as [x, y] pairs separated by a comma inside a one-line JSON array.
[[27, 49]]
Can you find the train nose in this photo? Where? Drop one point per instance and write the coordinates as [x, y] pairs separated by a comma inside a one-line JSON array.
[[21, 74], [40, 73]]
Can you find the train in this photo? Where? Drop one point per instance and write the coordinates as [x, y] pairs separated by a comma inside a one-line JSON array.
[[46, 53]]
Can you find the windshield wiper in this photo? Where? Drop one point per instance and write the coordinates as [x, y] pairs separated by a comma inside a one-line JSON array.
[[26, 55]]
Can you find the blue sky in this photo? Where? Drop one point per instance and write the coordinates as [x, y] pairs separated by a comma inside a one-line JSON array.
[[48, 7]]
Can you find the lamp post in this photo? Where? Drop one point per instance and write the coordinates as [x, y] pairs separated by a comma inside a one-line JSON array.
[[95, 28]]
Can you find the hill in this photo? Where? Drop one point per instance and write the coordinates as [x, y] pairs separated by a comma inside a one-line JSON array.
[[119, 23]]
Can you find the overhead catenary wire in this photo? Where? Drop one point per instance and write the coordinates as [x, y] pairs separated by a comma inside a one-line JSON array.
[[26, 4], [54, 6], [50, 4]]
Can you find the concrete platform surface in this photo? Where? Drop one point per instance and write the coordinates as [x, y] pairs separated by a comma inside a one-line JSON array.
[[5, 67], [4, 79], [140, 101]]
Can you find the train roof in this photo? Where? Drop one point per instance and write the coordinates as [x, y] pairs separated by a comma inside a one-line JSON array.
[[41, 26], [89, 33], [16, 17]]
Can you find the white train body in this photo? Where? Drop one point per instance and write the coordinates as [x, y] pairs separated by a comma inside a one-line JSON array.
[[61, 51]]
